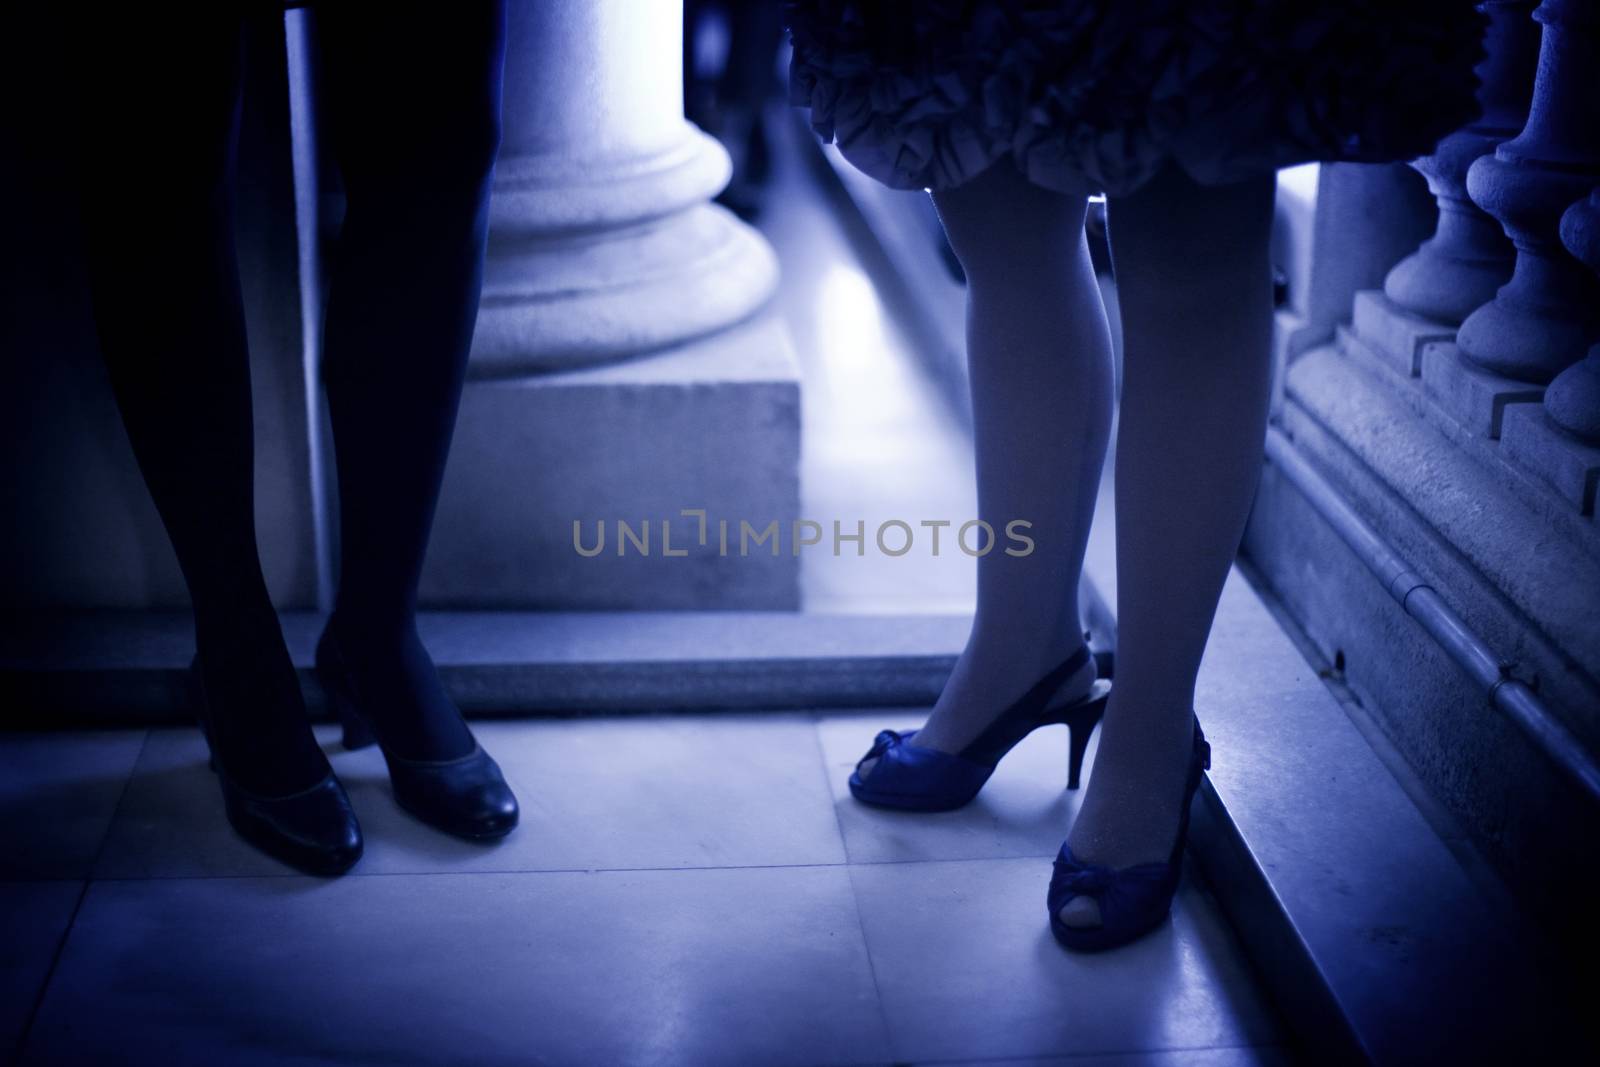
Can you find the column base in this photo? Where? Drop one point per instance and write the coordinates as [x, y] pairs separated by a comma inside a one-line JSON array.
[[714, 424], [560, 302]]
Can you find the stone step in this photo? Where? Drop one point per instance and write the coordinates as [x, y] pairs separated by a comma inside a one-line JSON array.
[[129, 666]]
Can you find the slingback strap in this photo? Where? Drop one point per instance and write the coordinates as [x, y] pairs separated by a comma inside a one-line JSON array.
[[1015, 722], [1069, 666]]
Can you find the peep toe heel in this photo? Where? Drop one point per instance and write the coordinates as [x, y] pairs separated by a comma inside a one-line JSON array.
[[1133, 900], [923, 779]]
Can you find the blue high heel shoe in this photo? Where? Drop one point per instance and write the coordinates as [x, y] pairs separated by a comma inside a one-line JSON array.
[[924, 779], [1133, 900]]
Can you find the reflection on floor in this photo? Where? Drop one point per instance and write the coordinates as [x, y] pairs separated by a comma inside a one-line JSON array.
[[879, 443], [687, 889]]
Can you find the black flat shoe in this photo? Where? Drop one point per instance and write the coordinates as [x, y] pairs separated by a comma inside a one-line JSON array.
[[466, 796], [314, 830]]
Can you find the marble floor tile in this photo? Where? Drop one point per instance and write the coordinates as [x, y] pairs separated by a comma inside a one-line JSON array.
[[627, 792], [1024, 810], [58, 791], [696, 967], [171, 823], [619, 793], [966, 967]]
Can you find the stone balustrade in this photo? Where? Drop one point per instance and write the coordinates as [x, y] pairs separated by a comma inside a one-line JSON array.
[[1468, 257], [1544, 318], [1508, 366]]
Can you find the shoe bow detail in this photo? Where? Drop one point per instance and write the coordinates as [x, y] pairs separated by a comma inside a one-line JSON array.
[[881, 744], [1120, 892]]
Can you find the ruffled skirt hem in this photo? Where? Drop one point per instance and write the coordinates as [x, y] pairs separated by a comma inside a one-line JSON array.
[[1098, 95]]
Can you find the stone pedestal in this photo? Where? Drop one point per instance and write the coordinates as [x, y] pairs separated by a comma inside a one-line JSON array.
[[1395, 335], [1386, 335], [609, 381], [1476, 398], [1544, 318], [1532, 440], [1468, 258], [711, 426]]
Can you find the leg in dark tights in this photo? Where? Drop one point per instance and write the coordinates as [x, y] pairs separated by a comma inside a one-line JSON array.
[[413, 99], [158, 121]]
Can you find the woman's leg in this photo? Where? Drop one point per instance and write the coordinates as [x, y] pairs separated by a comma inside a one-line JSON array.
[[413, 95], [1195, 291], [158, 121], [1039, 360]]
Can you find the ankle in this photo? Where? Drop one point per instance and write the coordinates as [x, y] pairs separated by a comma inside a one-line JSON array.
[[387, 627], [1030, 652]]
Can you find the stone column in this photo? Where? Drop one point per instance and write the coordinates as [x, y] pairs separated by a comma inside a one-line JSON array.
[[1543, 319], [1573, 399], [603, 240], [623, 368], [1468, 257]]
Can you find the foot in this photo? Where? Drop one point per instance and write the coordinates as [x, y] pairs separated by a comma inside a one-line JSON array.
[[1133, 803], [983, 685], [260, 732], [400, 689]]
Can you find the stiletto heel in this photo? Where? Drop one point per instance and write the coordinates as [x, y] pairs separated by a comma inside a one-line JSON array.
[[314, 830], [925, 779], [1133, 900], [466, 796]]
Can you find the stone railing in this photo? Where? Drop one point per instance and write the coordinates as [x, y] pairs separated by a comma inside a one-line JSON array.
[[1451, 409], [1512, 265]]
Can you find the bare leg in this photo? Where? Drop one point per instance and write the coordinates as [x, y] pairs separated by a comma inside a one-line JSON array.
[[1194, 283], [1039, 358]]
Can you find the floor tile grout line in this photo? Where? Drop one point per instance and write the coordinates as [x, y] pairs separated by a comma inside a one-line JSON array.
[[855, 897], [49, 975], [827, 787], [356, 876], [77, 907], [1095, 1055]]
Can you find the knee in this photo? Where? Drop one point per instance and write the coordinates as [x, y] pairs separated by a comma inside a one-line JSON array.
[[1005, 230]]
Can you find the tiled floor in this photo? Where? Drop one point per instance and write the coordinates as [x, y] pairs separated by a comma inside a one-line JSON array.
[[695, 890]]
